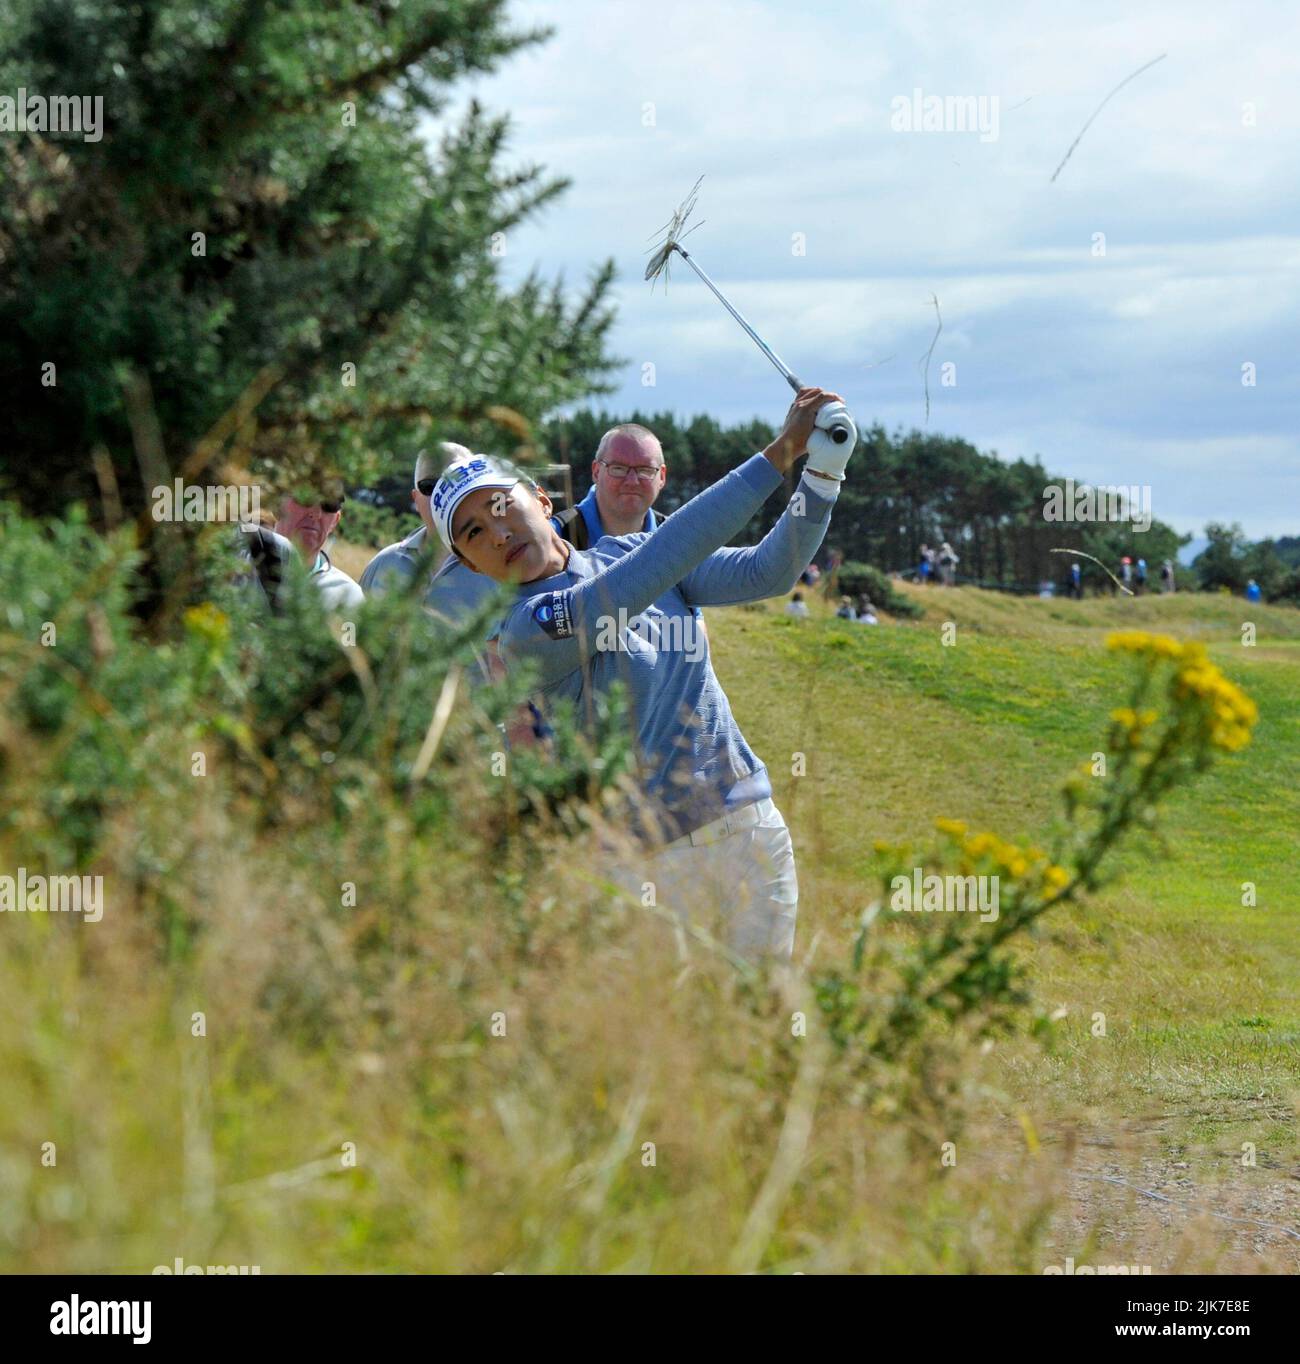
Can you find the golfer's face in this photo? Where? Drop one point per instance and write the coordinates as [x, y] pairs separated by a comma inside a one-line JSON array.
[[503, 533], [629, 476]]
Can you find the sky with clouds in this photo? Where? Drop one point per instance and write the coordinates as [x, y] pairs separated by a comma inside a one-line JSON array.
[[1124, 367]]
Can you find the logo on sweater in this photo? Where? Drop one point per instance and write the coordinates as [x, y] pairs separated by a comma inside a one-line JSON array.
[[552, 614]]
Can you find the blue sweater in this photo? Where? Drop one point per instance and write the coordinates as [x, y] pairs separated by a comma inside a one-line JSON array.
[[623, 610]]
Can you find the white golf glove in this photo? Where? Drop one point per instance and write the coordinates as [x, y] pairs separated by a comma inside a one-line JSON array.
[[832, 441]]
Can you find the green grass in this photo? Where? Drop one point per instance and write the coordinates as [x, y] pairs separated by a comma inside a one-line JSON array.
[[1201, 995]]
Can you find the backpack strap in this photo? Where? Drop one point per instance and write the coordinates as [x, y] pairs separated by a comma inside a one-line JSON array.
[[572, 527]]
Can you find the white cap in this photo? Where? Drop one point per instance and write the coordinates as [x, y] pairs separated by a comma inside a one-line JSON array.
[[464, 477]]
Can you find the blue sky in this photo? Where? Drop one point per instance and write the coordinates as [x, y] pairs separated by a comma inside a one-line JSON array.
[[1117, 368]]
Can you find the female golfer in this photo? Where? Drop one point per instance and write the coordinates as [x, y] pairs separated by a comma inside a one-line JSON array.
[[621, 610]]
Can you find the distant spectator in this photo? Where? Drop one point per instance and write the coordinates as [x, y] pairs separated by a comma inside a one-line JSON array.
[[866, 616], [1076, 580], [1141, 576], [1047, 588], [1167, 576], [811, 576], [925, 568], [831, 578], [1126, 571], [948, 562], [846, 611], [1252, 591], [796, 606]]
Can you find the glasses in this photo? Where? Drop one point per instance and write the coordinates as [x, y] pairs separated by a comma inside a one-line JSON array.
[[645, 472], [305, 497], [426, 486]]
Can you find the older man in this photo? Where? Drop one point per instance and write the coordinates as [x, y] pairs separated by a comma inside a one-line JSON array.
[[306, 519], [627, 475]]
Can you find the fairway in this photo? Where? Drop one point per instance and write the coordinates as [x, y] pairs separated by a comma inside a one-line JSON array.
[[1201, 995]]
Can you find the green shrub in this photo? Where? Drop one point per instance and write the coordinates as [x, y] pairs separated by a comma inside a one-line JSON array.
[[304, 722], [857, 578]]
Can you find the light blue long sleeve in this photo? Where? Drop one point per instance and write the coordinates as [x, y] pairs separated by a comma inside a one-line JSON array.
[[624, 611], [770, 568]]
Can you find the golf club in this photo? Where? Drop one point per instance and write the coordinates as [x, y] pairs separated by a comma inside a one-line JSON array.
[[834, 424]]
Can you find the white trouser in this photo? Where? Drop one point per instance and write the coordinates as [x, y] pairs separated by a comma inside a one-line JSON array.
[[739, 885]]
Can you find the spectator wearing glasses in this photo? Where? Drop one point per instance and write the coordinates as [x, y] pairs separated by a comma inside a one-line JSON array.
[[627, 475], [306, 519]]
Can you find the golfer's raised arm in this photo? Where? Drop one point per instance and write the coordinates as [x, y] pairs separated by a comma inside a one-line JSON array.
[[554, 628], [772, 567]]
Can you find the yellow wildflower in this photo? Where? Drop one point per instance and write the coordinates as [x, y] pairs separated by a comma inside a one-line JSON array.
[[1056, 878], [208, 622]]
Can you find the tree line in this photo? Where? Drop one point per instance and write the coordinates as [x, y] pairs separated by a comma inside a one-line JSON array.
[[912, 488]]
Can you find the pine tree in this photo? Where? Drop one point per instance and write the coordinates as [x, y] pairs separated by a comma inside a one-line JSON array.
[[262, 212]]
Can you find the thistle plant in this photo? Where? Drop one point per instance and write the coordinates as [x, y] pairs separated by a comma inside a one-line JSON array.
[[1180, 714]]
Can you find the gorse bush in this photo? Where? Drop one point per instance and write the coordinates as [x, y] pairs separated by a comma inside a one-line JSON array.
[[365, 523], [306, 717]]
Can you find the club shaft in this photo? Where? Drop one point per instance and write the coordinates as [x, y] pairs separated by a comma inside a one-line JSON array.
[[754, 336]]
